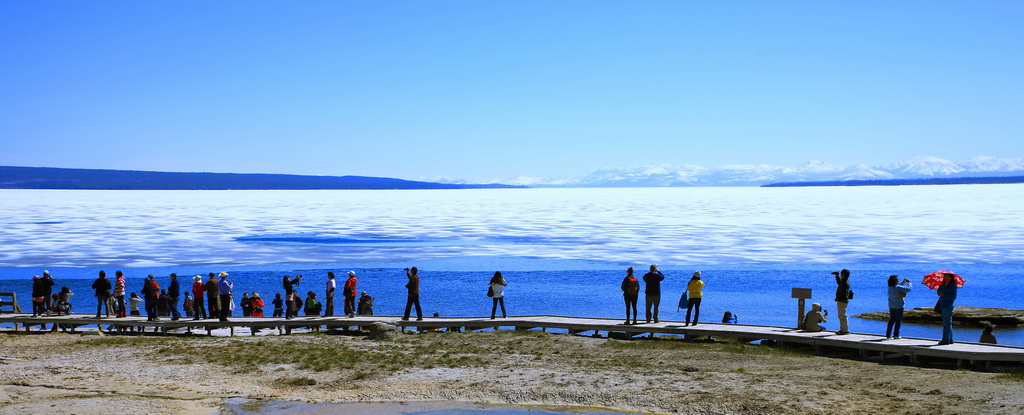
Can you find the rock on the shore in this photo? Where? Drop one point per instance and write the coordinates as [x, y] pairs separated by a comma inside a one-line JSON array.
[[380, 330], [1001, 317]]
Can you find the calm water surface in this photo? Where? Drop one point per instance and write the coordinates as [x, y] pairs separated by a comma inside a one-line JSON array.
[[564, 251]]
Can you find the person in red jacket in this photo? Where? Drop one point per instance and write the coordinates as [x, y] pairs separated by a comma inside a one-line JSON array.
[[630, 291], [350, 294], [198, 292]]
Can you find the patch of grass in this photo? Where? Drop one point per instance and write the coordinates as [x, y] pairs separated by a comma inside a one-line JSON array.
[[125, 341], [303, 381], [667, 344], [1015, 374]]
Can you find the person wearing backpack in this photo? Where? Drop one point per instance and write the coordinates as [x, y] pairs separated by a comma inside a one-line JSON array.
[[496, 289], [630, 291], [696, 289], [151, 292], [843, 296]]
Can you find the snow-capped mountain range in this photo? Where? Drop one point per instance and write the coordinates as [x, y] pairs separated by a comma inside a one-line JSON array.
[[665, 175]]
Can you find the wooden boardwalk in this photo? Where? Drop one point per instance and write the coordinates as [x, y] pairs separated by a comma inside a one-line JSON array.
[[962, 352]]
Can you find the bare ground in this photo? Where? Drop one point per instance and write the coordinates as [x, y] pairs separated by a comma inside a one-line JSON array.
[[65, 373]]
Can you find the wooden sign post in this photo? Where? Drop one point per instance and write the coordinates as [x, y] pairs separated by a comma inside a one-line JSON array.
[[802, 294]]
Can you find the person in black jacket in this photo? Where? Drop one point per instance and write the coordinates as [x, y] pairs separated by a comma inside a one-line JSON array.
[[102, 287], [47, 290], [173, 294], [37, 293]]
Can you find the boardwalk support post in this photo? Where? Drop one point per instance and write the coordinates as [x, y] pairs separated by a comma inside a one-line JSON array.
[[801, 294]]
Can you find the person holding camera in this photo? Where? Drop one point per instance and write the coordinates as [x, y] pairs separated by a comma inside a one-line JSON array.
[[843, 296], [652, 291], [414, 294], [896, 294], [814, 318]]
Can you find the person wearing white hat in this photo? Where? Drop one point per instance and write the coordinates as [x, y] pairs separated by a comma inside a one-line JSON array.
[[224, 289]]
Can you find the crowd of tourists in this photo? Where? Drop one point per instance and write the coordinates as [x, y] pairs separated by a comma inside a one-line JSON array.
[[215, 298]]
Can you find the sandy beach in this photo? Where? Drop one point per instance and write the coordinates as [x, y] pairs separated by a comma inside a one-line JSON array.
[[76, 373]]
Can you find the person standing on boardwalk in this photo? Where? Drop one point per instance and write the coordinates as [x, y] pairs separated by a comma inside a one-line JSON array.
[[198, 292], [38, 303], [290, 297], [48, 284], [896, 294], [652, 291], [497, 288], [133, 305], [696, 289], [350, 294], [151, 292], [414, 294], [630, 291], [947, 295], [174, 294], [278, 305], [843, 296], [189, 305], [102, 287], [211, 296], [332, 286], [119, 294], [246, 303], [224, 289]]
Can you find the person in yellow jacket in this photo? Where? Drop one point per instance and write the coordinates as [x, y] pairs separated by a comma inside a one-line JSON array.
[[696, 289]]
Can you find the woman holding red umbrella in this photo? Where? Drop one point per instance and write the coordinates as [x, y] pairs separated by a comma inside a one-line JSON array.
[[947, 295]]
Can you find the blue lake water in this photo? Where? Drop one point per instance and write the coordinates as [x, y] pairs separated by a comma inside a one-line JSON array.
[[563, 251]]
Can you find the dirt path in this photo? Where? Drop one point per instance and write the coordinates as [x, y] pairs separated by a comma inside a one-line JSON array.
[[62, 373]]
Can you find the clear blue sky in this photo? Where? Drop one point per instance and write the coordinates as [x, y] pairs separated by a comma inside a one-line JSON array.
[[494, 89]]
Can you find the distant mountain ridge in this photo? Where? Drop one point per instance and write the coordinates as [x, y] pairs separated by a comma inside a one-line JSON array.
[[92, 179], [666, 175]]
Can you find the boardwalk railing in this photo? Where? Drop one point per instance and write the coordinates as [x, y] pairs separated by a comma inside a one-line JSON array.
[[864, 343]]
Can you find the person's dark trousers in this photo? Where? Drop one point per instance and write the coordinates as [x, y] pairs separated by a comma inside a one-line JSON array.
[[693, 305], [895, 320], [329, 306], [224, 311], [151, 309], [198, 312], [350, 305], [630, 302], [413, 300], [121, 311], [173, 305], [47, 302], [652, 301], [289, 308], [494, 306], [101, 306], [211, 304]]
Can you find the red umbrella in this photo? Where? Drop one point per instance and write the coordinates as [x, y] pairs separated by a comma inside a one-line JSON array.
[[934, 280]]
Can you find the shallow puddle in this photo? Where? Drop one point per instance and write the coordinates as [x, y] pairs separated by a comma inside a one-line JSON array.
[[249, 406]]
